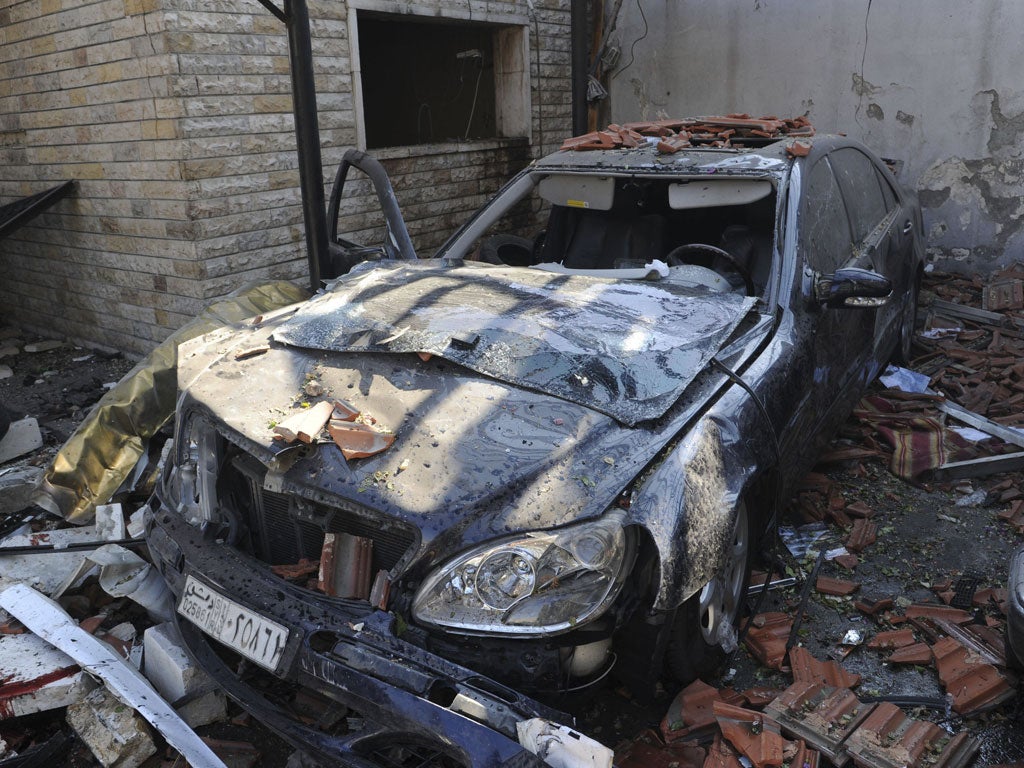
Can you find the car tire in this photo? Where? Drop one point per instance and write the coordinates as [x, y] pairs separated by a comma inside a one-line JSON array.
[[908, 323], [704, 631]]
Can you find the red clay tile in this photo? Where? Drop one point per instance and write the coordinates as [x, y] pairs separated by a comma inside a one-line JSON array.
[[751, 733], [930, 610], [860, 509], [806, 668], [863, 535], [758, 696], [918, 653], [690, 713], [305, 567], [648, 751], [889, 739], [838, 587], [767, 638], [722, 755], [871, 607], [822, 715], [970, 682], [897, 638], [803, 756], [849, 561]]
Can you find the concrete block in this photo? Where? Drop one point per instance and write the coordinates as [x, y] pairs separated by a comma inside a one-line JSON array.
[[44, 346], [167, 665], [116, 733], [210, 707]]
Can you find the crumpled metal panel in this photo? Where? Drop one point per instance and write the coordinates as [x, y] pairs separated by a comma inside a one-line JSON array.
[[626, 349], [96, 459]]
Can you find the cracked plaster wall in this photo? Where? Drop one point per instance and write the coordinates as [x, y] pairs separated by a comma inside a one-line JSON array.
[[932, 83]]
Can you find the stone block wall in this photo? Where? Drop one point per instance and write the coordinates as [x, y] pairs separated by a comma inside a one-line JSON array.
[[175, 118]]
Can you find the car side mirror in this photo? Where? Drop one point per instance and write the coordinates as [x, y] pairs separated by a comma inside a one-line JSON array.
[[853, 287]]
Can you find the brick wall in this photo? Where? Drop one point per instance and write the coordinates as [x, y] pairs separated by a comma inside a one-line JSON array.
[[175, 117]]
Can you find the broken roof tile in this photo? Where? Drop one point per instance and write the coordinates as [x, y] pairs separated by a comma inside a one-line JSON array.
[[972, 684], [917, 654], [767, 638], [760, 695], [872, 607], [889, 739], [806, 668], [304, 425], [722, 755], [826, 585], [821, 714], [896, 638], [930, 610], [751, 733], [863, 534], [690, 714], [803, 756], [648, 751], [358, 441]]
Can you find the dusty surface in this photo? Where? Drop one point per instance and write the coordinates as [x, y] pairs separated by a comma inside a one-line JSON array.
[[925, 537]]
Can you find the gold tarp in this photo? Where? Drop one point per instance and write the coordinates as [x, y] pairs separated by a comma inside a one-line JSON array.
[[108, 444]]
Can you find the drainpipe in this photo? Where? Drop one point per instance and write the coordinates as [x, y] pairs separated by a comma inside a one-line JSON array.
[[307, 136], [580, 41]]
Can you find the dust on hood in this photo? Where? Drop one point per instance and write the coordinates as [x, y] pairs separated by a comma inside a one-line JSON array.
[[624, 348]]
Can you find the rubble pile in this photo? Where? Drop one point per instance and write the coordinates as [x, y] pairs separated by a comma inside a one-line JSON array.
[[672, 135]]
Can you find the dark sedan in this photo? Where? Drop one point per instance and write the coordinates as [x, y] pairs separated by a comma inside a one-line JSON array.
[[547, 456]]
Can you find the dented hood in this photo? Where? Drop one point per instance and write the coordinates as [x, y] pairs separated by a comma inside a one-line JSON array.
[[627, 349]]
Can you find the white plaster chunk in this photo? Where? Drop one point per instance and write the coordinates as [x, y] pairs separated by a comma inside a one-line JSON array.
[[117, 736], [17, 484], [47, 619], [37, 677], [22, 437], [44, 346]]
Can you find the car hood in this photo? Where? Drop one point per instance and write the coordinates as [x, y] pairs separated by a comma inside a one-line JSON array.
[[627, 349]]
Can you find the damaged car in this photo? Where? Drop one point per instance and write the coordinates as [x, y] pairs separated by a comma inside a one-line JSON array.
[[445, 491]]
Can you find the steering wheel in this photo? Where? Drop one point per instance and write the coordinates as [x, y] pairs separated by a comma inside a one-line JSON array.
[[704, 256]]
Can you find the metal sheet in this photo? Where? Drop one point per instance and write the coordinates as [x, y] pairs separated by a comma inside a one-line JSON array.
[[96, 459], [626, 349]]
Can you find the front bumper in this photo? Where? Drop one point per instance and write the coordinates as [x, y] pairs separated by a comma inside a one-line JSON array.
[[349, 652]]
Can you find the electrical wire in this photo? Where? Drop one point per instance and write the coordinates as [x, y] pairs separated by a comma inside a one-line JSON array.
[[632, 48], [476, 91]]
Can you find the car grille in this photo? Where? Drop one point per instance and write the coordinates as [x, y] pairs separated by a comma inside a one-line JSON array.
[[282, 536]]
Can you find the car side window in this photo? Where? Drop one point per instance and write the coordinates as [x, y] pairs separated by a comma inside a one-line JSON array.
[[860, 184], [826, 239]]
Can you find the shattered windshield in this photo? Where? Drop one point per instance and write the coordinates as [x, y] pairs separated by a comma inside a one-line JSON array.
[[625, 348]]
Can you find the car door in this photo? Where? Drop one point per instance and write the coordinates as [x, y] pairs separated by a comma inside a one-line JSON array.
[[841, 337], [878, 242]]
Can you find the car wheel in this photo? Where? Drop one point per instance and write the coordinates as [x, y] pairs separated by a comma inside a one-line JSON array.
[[908, 323], [704, 633]]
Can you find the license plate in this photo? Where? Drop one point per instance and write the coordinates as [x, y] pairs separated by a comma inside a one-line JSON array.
[[252, 635]]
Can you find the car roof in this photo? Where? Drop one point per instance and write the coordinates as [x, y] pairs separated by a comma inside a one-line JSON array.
[[770, 159]]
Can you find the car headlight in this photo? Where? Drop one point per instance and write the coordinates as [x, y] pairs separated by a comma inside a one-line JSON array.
[[538, 583], [191, 483]]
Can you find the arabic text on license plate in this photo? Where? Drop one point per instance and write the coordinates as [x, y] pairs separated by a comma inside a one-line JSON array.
[[252, 635]]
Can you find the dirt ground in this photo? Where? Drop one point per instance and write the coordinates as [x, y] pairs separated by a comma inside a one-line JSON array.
[[926, 535]]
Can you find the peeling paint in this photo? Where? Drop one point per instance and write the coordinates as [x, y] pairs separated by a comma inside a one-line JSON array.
[[875, 112], [862, 87], [904, 118]]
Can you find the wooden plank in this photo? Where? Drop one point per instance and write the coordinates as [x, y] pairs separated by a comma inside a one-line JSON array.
[[968, 313], [990, 465], [978, 421]]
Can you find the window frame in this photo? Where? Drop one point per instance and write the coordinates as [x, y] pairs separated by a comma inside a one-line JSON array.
[[513, 101]]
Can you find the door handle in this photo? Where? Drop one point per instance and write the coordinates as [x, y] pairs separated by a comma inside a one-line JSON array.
[[907, 226]]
